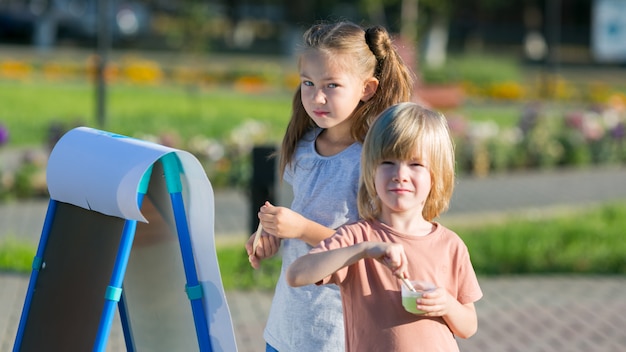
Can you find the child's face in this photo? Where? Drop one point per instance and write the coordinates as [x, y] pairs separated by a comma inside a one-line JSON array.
[[403, 185], [329, 91]]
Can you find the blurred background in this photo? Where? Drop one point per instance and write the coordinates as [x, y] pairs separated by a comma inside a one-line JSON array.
[[534, 92], [573, 31], [524, 83]]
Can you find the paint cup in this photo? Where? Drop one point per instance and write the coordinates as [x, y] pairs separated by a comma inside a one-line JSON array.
[[409, 298]]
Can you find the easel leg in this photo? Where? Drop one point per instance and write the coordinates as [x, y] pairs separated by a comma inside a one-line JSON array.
[[172, 172], [114, 292], [126, 328], [37, 264]]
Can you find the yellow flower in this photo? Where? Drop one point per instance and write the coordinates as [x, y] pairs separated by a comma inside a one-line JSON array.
[[143, 72], [14, 69]]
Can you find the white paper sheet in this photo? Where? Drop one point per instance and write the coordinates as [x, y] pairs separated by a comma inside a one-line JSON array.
[[102, 171]]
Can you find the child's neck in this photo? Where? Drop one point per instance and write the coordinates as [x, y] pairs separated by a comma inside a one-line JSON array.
[[410, 225], [328, 144]]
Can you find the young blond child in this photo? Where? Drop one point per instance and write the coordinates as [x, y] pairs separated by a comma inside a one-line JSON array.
[[407, 179]]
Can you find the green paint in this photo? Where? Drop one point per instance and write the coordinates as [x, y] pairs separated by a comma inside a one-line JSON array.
[[410, 304]]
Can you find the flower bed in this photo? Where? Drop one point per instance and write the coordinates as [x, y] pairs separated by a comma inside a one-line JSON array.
[[541, 139]]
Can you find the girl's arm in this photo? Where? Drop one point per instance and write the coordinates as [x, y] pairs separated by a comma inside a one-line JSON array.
[[312, 268], [285, 223], [314, 232]]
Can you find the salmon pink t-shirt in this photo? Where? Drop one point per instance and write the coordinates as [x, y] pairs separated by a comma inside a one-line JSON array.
[[374, 317]]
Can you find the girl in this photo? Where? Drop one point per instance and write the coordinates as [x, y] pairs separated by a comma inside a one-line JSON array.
[[407, 178], [348, 76]]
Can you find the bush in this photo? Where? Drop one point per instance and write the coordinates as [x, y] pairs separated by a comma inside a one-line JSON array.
[[587, 242], [583, 242]]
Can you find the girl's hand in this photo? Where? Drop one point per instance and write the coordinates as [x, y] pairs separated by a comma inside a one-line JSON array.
[[391, 255], [281, 221], [267, 247]]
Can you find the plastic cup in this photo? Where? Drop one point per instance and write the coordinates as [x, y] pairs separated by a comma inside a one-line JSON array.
[[409, 298]]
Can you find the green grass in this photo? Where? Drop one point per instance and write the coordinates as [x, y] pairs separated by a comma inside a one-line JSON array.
[[30, 108], [237, 272], [478, 69], [16, 255], [504, 115], [589, 241]]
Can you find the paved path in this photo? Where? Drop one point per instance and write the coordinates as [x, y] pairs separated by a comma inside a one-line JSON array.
[[474, 198], [525, 313]]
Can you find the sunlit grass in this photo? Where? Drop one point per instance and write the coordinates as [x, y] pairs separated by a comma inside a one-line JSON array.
[[30, 108], [16, 255]]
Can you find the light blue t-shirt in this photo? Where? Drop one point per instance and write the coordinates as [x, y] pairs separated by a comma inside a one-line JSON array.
[[310, 318]]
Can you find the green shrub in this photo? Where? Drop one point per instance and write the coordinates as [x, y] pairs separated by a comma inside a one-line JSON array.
[[585, 242], [588, 242]]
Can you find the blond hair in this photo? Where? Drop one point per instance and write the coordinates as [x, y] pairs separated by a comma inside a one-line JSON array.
[[373, 55], [401, 132]]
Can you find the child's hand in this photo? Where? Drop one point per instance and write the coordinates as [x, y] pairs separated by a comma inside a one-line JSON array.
[[391, 255], [435, 303], [280, 221], [267, 247]]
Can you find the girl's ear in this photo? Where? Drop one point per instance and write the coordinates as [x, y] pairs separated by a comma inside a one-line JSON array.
[[369, 88]]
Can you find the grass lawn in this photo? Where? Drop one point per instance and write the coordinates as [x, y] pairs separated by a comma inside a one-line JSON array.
[[30, 108]]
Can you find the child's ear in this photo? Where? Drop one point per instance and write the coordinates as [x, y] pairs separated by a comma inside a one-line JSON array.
[[369, 89]]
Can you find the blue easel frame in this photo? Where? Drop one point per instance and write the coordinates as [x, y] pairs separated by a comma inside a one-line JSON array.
[[172, 170], [37, 263], [114, 294]]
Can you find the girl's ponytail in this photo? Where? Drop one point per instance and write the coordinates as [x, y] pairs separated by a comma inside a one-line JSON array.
[[396, 81]]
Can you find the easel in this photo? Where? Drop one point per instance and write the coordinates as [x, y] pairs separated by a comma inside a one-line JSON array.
[[49, 323]]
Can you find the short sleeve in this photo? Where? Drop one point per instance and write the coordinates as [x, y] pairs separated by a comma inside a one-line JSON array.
[[344, 237]]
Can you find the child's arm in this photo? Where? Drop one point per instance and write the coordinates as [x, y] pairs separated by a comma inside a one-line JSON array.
[[285, 223], [461, 318], [312, 268]]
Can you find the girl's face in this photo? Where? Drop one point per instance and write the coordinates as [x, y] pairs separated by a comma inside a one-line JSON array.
[[403, 185], [331, 89]]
